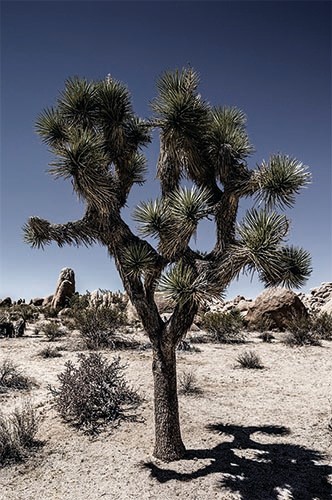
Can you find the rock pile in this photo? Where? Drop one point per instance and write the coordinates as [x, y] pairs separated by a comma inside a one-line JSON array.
[[319, 298]]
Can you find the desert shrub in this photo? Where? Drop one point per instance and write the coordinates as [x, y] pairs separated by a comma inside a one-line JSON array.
[[94, 393], [225, 327], [17, 434], [12, 379], [301, 332], [97, 327], [78, 301], [53, 330], [50, 312], [185, 346], [266, 336], [249, 359], [50, 352], [322, 325], [264, 324], [188, 384]]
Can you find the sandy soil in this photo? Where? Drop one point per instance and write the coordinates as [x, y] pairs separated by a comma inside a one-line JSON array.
[[251, 434]]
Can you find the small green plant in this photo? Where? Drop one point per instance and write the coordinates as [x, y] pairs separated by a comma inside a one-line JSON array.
[[53, 330], [94, 393], [12, 379], [302, 332], [17, 434], [188, 384], [50, 352], [249, 359], [225, 327]]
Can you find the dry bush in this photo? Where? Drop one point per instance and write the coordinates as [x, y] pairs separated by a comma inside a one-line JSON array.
[[322, 325], [225, 327], [188, 384], [266, 336], [301, 332], [249, 359], [186, 346], [12, 379], [98, 327], [50, 352], [94, 393], [17, 434], [53, 330]]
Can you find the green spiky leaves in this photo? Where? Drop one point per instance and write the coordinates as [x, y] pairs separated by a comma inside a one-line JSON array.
[[138, 259], [261, 231], [228, 140], [174, 219], [182, 285], [52, 127], [151, 218], [294, 268], [183, 119], [261, 248], [39, 232], [277, 182]]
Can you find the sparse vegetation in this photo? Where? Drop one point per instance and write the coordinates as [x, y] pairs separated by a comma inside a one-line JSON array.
[[321, 324], [11, 378], [301, 331], [17, 434], [188, 384], [53, 330], [50, 312], [186, 346], [225, 327], [98, 327], [266, 336], [50, 352], [94, 393], [249, 359]]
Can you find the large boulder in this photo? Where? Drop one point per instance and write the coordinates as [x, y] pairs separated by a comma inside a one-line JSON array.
[[278, 305], [65, 289], [327, 307]]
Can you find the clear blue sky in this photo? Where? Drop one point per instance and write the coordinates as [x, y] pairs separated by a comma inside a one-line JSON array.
[[271, 59]]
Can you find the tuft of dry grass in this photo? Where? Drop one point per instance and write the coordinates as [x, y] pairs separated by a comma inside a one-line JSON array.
[[17, 434], [13, 379], [249, 359]]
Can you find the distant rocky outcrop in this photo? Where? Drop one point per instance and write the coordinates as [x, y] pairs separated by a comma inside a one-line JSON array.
[[277, 305], [37, 301], [7, 302], [318, 298], [65, 289]]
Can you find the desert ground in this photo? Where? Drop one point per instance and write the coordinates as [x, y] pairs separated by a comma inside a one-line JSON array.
[[250, 434]]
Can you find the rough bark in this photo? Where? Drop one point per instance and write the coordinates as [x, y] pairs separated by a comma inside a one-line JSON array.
[[168, 442]]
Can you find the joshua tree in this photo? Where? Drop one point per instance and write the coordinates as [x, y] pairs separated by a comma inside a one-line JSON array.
[[97, 141]]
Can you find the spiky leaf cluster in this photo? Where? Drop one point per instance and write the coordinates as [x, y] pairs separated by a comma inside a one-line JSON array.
[[277, 182], [173, 220]]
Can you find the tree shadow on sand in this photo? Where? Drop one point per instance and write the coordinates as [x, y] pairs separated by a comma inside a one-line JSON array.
[[258, 471]]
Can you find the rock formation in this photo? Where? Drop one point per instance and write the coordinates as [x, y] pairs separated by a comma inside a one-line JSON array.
[[65, 289], [277, 305], [318, 298]]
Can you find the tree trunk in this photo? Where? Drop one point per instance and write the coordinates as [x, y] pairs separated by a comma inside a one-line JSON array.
[[168, 441]]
